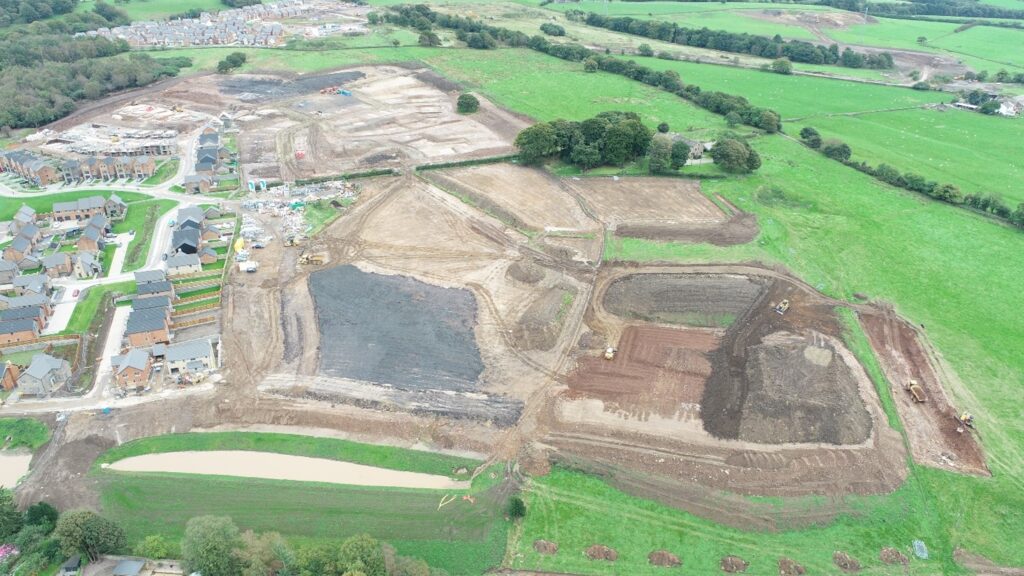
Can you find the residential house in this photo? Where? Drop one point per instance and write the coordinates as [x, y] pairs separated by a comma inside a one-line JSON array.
[[186, 240], [24, 216], [133, 369], [8, 270], [9, 375], [58, 264], [91, 240], [31, 232], [198, 183], [211, 213], [15, 331], [29, 166], [150, 302], [163, 288], [32, 284], [147, 327], [194, 357], [114, 208], [87, 265], [8, 303], [35, 313], [207, 255], [697, 148], [147, 276], [71, 171], [209, 137], [44, 375], [78, 210], [183, 264], [18, 249]]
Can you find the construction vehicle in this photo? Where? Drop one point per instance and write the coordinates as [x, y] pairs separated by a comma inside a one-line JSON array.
[[916, 391], [290, 240], [964, 420], [609, 353], [781, 307], [315, 258]]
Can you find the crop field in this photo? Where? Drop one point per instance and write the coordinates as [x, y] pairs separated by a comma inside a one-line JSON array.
[[462, 538], [973, 151], [796, 96]]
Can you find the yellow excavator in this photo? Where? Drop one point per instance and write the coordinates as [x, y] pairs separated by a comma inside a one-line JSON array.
[[964, 420], [609, 353]]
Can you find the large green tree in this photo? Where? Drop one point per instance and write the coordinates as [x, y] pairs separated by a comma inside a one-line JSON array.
[[363, 553], [89, 533], [735, 155], [680, 154], [10, 518], [659, 158], [211, 546], [536, 143]]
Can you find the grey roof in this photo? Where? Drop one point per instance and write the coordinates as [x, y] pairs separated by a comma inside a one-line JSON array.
[[117, 200], [32, 282], [188, 236], [89, 261], [6, 265], [21, 244], [92, 233], [26, 210], [26, 300], [56, 259], [146, 321], [135, 358], [31, 312], [80, 204], [209, 251], [28, 230], [151, 302], [153, 288], [186, 351], [144, 276], [204, 166], [72, 563], [179, 260], [213, 138], [194, 212], [128, 567], [42, 364], [98, 220], [14, 326], [159, 349], [197, 178]]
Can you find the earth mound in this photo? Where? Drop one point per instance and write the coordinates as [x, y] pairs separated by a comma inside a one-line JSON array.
[[663, 558], [545, 547], [845, 562], [689, 299], [893, 556], [525, 271], [602, 552], [734, 564], [788, 567]]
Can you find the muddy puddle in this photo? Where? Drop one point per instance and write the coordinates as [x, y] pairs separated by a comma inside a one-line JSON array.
[[13, 465], [272, 466]]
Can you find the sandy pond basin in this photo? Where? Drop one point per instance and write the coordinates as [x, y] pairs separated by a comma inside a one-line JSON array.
[[282, 467], [13, 465]]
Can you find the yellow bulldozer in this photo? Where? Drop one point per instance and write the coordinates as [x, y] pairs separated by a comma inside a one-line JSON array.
[[916, 391], [314, 258], [782, 307]]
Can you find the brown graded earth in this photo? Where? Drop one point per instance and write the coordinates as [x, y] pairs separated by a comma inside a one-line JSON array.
[[602, 552], [893, 556], [663, 558], [733, 564], [845, 562], [788, 567], [931, 426], [545, 547]]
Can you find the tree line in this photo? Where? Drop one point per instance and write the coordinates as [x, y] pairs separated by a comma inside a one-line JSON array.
[[949, 193], [36, 539], [482, 36], [962, 8], [23, 12], [763, 46]]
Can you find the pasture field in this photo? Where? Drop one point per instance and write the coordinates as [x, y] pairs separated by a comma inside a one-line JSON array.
[[44, 203], [978, 153], [892, 33], [157, 9], [462, 537], [998, 47], [796, 96], [23, 433], [659, 9]]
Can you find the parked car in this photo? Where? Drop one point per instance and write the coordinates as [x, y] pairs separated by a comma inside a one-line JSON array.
[[75, 293]]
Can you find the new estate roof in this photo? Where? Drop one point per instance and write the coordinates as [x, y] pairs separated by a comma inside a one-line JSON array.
[[136, 358], [186, 351], [89, 203], [144, 276], [146, 321], [15, 326], [151, 302], [180, 260], [42, 364], [153, 288]]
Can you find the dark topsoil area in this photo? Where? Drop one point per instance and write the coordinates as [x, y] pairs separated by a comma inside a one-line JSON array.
[[265, 88], [395, 330], [687, 299]]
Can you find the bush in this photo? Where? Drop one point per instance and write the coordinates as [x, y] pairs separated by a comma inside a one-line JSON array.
[[552, 29], [810, 137], [837, 150], [468, 104], [516, 508], [782, 66], [921, 86], [663, 127], [645, 50]]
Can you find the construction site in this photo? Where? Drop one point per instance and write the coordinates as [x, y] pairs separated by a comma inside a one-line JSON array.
[[471, 309]]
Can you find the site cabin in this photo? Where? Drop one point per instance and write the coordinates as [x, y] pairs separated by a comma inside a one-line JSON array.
[[44, 376]]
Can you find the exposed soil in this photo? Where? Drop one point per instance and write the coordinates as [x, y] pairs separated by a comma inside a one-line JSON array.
[[267, 88], [663, 558], [525, 271], [540, 325], [931, 426], [545, 547], [893, 556], [788, 567], [733, 564], [602, 552], [685, 299], [845, 562]]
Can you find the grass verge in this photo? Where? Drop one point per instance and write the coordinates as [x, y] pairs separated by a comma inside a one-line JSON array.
[[24, 433]]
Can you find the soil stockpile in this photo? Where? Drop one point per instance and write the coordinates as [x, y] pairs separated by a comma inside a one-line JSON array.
[[395, 330], [601, 552], [789, 568], [539, 326], [893, 556], [663, 558], [525, 271], [733, 564], [545, 547], [846, 562], [264, 88], [688, 299], [801, 393]]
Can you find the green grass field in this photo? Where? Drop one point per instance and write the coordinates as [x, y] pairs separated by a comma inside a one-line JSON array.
[[989, 44], [44, 203], [89, 303], [978, 153], [23, 433], [461, 538], [157, 9], [143, 218], [164, 172]]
